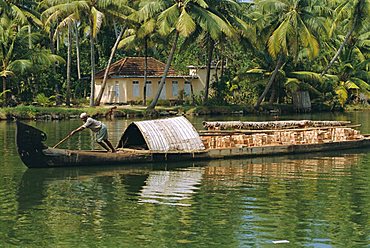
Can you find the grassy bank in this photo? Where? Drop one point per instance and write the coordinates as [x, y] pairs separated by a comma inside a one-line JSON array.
[[61, 113]]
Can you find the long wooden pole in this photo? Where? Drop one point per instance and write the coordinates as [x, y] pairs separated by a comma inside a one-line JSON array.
[[239, 131], [60, 142]]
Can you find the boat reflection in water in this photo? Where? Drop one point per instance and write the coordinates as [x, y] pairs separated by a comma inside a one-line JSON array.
[[289, 167], [171, 187], [175, 184], [220, 203]]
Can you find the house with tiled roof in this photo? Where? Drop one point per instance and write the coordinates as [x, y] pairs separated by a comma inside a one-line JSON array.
[[125, 82]]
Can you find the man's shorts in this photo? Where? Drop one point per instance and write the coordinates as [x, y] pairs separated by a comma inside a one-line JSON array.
[[102, 134]]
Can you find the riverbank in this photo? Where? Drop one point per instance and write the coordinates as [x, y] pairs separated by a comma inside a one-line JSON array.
[[127, 111], [136, 111]]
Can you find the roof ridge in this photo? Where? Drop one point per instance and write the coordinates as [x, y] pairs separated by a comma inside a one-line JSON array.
[[134, 66]]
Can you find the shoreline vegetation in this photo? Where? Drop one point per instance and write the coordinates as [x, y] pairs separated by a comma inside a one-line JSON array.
[[246, 53], [137, 111]]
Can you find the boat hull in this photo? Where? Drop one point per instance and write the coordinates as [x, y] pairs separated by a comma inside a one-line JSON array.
[[69, 158], [35, 154]]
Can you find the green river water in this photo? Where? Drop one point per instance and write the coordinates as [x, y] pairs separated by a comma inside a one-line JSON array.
[[310, 200]]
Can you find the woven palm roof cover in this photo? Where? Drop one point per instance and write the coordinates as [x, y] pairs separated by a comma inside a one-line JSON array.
[[171, 134]]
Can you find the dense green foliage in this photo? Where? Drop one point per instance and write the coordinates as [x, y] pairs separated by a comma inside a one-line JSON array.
[[265, 50]]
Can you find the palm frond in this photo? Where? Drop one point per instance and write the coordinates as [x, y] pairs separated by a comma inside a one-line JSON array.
[[361, 84], [308, 40], [97, 20], [277, 42], [6, 73], [19, 65], [146, 28], [150, 9], [212, 24], [342, 94], [201, 3], [185, 24], [127, 41], [167, 19], [307, 76], [292, 84], [350, 85]]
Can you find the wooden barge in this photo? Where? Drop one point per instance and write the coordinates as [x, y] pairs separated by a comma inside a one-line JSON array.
[[175, 139]]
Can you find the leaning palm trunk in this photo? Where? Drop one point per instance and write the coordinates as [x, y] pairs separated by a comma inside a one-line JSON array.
[[104, 84], [92, 56], [273, 95], [163, 79], [279, 63], [208, 75], [338, 52]]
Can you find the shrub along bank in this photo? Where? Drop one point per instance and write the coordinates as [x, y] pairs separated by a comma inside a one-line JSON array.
[[134, 111], [62, 113]]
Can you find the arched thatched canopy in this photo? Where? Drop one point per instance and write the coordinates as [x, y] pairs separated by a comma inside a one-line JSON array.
[[171, 134]]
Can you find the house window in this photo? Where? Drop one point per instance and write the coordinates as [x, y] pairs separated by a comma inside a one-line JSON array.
[[163, 92], [135, 89], [187, 88], [149, 91], [175, 88]]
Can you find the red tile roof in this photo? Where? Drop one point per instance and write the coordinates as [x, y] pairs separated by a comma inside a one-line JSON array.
[[134, 67]]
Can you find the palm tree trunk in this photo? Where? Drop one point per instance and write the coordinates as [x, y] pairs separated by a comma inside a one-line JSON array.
[[163, 79], [338, 52], [4, 88], [273, 95], [216, 71], [145, 68], [222, 67], [92, 56], [69, 56], [115, 28], [56, 86], [208, 75], [279, 63], [58, 42], [29, 37], [104, 83], [78, 52]]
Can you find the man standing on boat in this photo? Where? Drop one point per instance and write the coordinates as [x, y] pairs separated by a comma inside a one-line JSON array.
[[98, 128]]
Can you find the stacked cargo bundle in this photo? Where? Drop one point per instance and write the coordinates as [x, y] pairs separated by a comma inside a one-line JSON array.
[[246, 138]]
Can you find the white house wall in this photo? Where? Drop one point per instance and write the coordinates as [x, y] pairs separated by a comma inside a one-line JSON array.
[[126, 87]]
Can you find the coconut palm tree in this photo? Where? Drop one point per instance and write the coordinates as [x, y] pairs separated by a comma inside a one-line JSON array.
[[66, 25], [22, 13], [9, 35], [293, 28], [15, 55], [128, 20], [88, 11], [230, 12], [352, 75], [178, 18], [356, 13], [142, 35]]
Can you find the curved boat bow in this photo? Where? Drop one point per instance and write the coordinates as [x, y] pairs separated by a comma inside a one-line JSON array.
[[30, 145]]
